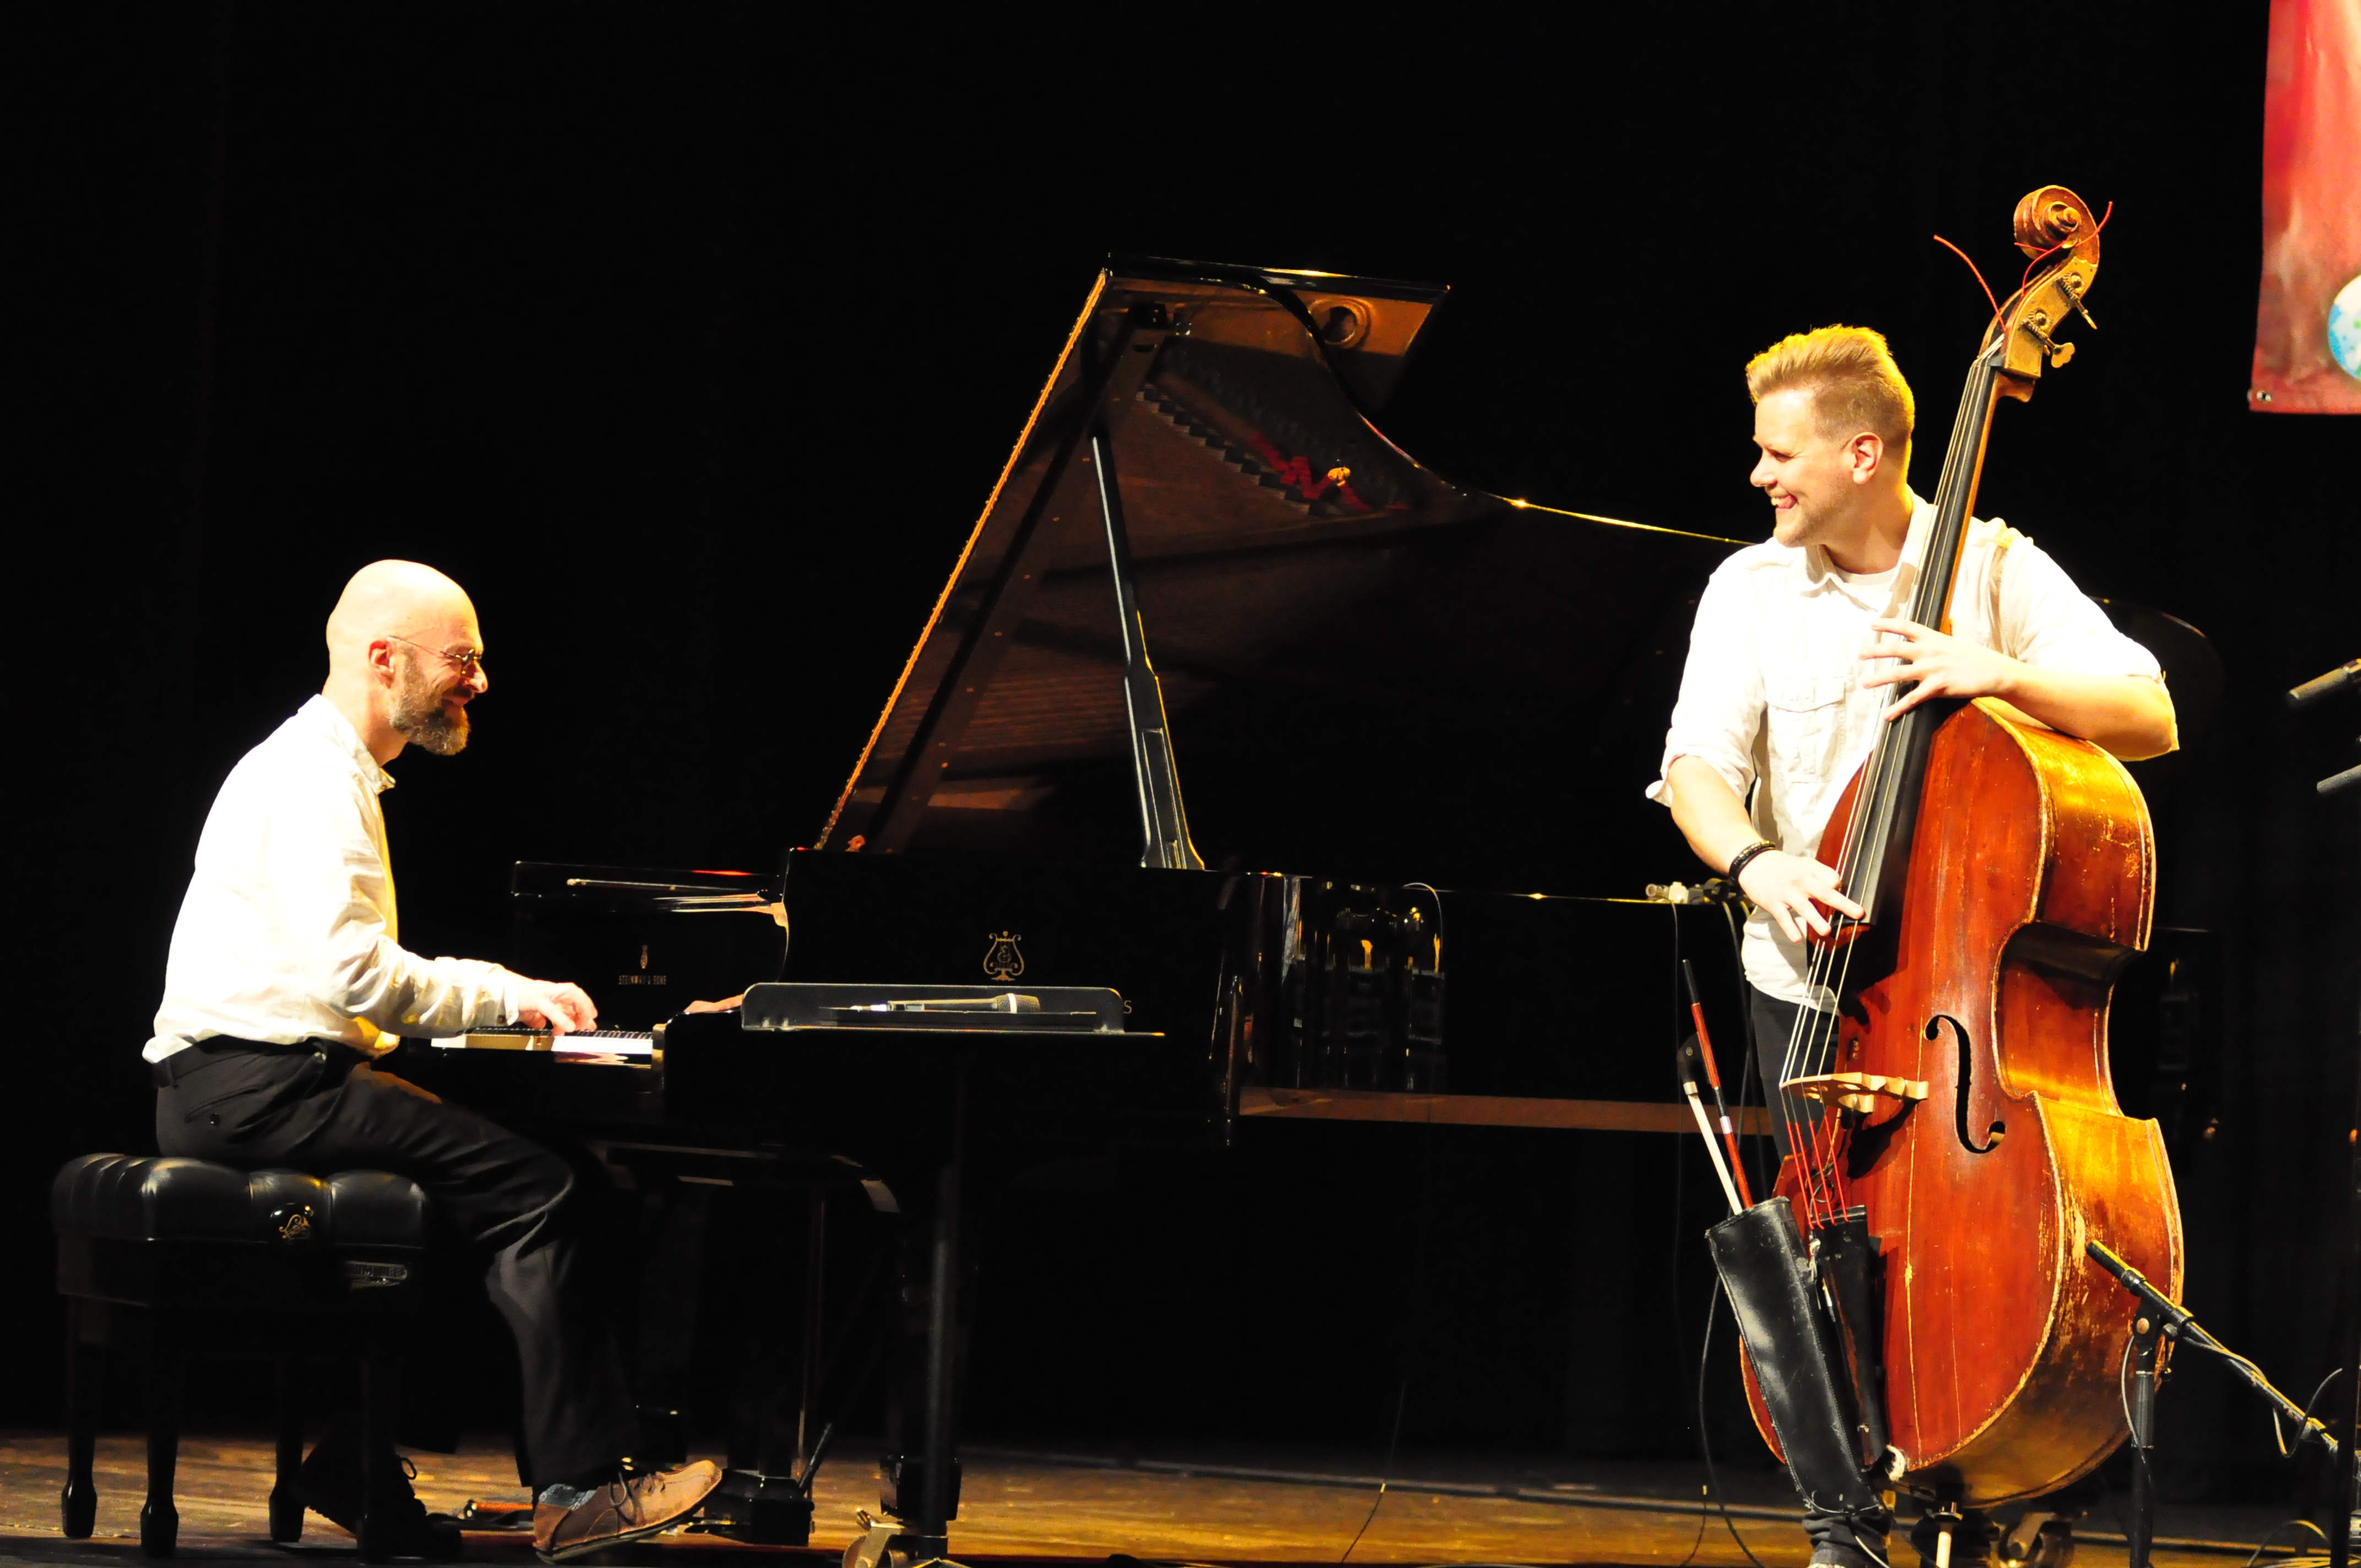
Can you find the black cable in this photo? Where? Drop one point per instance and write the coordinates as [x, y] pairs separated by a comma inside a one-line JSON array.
[[1385, 1472], [2278, 1526], [2124, 1393], [1705, 1438], [1705, 1495], [1680, 1160], [1749, 1078], [2139, 1455], [1409, 1329], [1713, 1298], [2280, 1431], [1705, 1513]]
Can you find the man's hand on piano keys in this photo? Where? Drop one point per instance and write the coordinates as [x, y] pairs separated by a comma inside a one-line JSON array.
[[558, 1006], [726, 1004]]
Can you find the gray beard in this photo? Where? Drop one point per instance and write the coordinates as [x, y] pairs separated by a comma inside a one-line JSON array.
[[417, 715]]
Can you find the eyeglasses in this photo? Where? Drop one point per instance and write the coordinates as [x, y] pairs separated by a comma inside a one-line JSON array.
[[469, 664]]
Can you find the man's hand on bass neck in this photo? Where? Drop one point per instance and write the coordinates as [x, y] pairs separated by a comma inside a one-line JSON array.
[[2129, 716], [1943, 666]]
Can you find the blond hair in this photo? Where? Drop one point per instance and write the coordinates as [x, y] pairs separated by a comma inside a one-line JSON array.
[[1851, 374]]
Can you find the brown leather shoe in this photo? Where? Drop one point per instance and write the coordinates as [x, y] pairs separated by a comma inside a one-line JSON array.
[[623, 1510]]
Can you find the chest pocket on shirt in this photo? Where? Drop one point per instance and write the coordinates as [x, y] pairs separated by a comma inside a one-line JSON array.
[[1801, 717]]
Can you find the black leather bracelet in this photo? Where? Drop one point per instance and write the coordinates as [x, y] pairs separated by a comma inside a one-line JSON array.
[[1738, 862]]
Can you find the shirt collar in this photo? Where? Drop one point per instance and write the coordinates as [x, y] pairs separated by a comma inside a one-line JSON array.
[[1820, 576], [330, 724]]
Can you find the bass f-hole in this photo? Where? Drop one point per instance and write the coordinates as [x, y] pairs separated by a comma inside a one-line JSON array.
[[1997, 1130]]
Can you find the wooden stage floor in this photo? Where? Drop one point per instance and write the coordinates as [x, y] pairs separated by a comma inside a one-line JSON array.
[[1073, 1509]]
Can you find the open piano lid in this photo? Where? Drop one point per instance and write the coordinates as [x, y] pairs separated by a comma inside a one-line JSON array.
[[1369, 670]]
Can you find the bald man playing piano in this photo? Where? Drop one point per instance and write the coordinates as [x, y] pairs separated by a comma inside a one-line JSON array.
[[287, 978]]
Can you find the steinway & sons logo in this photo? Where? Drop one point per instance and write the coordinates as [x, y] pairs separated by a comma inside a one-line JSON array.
[[643, 977], [1002, 959]]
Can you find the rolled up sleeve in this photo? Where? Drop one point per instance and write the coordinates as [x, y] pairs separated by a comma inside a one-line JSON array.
[[2048, 622], [1720, 707]]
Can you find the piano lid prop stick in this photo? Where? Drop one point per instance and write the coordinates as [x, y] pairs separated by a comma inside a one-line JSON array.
[[1713, 1077]]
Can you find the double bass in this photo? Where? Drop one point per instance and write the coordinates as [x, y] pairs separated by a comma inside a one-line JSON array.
[[1967, 1142]]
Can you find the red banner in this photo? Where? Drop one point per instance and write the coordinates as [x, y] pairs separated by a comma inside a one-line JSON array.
[[2308, 327]]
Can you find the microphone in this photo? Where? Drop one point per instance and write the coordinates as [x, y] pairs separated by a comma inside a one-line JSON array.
[[2132, 1279], [2179, 1326], [2319, 686], [1713, 890]]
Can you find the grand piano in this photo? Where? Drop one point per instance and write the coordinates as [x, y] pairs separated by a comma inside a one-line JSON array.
[[1413, 720]]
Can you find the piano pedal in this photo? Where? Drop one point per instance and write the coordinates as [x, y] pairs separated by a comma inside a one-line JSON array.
[[768, 1510], [480, 1515], [884, 1543], [870, 1548], [665, 1435]]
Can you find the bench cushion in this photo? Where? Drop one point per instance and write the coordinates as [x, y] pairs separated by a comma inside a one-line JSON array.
[[118, 1197]]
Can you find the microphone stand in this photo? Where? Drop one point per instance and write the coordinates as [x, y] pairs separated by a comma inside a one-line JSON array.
[[2345, 675], [2161, 1319], [2345, 1500], [2344, 1490]]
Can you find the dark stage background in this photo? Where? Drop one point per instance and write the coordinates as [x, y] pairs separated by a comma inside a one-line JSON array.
[[691, 339]]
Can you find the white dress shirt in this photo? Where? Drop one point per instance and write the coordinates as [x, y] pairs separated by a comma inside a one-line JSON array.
[[288, 931], [1771, 695]]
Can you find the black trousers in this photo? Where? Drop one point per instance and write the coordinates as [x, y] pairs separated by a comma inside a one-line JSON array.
[[509, 1199]]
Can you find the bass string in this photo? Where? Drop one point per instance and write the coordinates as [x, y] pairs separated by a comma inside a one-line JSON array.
[[1875, 800], [1816, 1139], [1820, 1154], [1998, 315], [2025, 282], [1817, 1039], [1805, 1128], [1872, 801], [1798, 1146], [1813, 1136], [1953, 495], [1832, 1117], [1788, 1119], [1812, 1045], [1812, 1041]]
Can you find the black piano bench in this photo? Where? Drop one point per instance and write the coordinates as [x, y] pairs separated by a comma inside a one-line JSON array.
[[180, 1258]]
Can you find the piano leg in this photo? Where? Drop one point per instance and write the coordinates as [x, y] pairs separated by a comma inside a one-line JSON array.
[[808, 1371], [924, 1493], [763, 1495], [692, 1224], [675, 1222], [936, 1500]]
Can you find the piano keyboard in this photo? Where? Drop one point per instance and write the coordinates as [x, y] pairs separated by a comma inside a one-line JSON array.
[[623, 1043]]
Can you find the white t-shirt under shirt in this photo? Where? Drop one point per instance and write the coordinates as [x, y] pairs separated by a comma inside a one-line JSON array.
[[1773, 695]]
